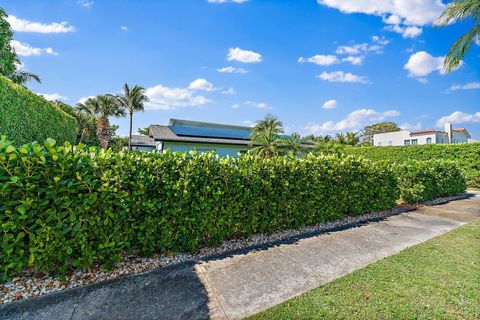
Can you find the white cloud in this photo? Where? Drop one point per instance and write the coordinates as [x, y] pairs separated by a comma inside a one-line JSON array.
[[85, 3], [231, 69], [24, 49], [84, 99], [354, 120], [248, 123], [201, 84], [124, 28], [340, 76], [259, 105], [361, 48], [229, 92], [166, 98], [401, 13], [411, 127], [353, 60], [329, 104], [320, 59], [422, 80], [421, 64], [466, 86], [22, 25], [459, 117], [225, 1], [53, 96], [405, 31], [245, 56]]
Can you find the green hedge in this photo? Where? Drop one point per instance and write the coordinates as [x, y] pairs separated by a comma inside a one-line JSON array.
[[27, 117], [426, 180], [466, 155], [71, 206]]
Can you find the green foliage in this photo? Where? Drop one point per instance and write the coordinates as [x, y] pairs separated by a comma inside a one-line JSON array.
[[375, 128], [466, 155], [26, 117], [8, 58], [265, 136], [456, 11], [426, 180], [68, 207]]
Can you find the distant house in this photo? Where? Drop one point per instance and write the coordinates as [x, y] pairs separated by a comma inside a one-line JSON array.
[[185, 135], [407, 138]]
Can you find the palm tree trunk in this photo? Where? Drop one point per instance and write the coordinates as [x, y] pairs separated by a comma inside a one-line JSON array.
[[103, 133], [81, 136], [130, 137]]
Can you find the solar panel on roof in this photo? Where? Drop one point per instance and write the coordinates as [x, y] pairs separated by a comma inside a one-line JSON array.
[[201, 131]]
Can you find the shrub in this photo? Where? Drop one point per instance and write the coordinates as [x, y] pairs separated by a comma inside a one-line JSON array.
[[69, 207], [466, 155], [426, 180], [27, 117]]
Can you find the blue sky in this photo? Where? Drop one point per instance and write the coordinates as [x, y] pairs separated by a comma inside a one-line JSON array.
[[321, 66]]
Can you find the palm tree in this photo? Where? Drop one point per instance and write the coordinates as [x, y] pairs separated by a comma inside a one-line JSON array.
[[266, 135], [132, 99], [104, 106], [295, 143], [352, 138], [341, 138], [22, 77], [456, 11]]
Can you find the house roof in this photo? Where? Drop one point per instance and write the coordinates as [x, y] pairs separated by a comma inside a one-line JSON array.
[[427, 131], [139, 140], [165, 133]]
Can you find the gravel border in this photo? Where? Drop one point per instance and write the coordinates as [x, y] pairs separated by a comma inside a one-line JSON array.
[[31, 284]]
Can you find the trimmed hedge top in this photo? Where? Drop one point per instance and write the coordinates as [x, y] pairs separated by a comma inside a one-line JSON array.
[[26, 116], [467, 156]]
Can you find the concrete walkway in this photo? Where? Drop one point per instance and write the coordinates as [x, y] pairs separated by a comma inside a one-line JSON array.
[[241, 284]]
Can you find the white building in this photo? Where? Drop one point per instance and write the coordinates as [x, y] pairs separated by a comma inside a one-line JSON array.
[[407, 138]]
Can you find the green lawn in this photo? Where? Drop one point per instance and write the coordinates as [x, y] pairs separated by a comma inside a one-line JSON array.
[[439, 279]]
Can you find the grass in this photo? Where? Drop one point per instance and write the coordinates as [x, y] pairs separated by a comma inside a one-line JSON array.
[[439, 279]]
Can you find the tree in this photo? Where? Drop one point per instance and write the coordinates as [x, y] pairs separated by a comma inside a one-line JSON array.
[[341, 138], [104, 106], [456, 11], [352, 138], [294, 144], [380, 127], [132, 100], [266, 135], [86, 122], [144, 131], [8, 58], [329, 147], [9, 62]]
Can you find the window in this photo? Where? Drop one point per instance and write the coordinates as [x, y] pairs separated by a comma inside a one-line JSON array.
[[429, 140], [414, 142], [406, 142], [390, 143], [379, 144]]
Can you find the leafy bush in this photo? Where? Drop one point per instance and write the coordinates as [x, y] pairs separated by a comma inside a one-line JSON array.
[[426, 180], [27, 117], [69, 207], [466, 155]]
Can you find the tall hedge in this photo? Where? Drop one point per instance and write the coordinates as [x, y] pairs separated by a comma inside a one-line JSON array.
[[72, 206], [430, 179], [466, 155], [27, 117]]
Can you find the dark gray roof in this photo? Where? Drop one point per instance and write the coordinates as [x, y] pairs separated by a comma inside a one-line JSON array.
[[138, 140], [164, 133]]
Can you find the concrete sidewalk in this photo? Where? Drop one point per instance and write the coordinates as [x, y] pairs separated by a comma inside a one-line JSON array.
[[238, 285]]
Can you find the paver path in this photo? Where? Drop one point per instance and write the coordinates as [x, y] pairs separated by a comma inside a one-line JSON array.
[[232, 287]]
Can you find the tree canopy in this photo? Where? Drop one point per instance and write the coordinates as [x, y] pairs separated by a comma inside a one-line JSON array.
[[379, 127]]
